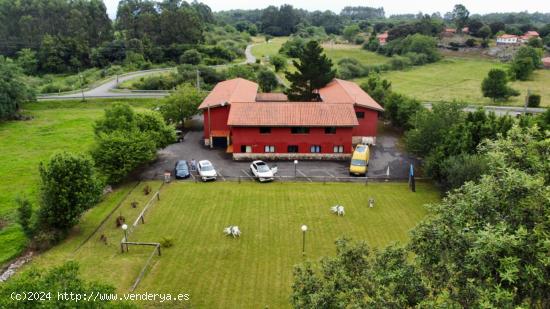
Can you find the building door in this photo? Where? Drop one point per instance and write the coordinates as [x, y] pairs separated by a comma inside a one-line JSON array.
[[219, 141]]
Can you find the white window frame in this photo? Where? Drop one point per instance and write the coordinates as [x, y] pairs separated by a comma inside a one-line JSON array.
[[315, 149], [338, 149], [269, 148]]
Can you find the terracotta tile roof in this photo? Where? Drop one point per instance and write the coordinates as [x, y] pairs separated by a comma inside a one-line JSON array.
[[271, 97], [383, 35], [233, 90], [531, 33], [450, 30], [288, 114], [342, 91], [546, 61], [507, 36]]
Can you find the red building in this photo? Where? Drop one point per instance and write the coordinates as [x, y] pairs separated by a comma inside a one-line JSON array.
[[266, 125]]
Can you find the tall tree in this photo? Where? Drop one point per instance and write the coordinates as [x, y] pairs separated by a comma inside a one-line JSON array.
[[313, 71], [181, 105], [460, 16], [495, 86], [13, 89]]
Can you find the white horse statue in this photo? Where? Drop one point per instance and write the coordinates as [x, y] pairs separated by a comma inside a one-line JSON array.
[[232, 230], [338, 209]]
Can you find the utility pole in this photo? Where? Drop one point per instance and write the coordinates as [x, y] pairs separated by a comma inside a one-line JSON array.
[[81, 85], [526, 101], [198, 81]]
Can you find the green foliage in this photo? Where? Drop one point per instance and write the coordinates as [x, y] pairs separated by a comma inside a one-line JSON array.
[[457, 170], [125, 140], [526, 60], [267, 80], [358, 277], [533, 100], [377, 88], [120, 152], [483, 245], [484, 32], [279, 21], [13, 89], [24, 215], [460, 16], [68, 187], [191, 56], [495, 86], [245, 71], [399, 109], [418, 44], [535, 42], [350, 32], [314, 71], [279, 62], [293, 47], [26, 59], [48, 283], [181, 104]]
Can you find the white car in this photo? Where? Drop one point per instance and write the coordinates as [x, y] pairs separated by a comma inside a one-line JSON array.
[[262, 172], [207, 171]]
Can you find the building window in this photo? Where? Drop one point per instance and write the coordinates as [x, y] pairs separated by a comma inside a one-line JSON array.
[[330, 130], [265, 130], [292, 148], [315, 149], [338, 149], [299, 130], [360, 115], [245, 148], [269, 148]]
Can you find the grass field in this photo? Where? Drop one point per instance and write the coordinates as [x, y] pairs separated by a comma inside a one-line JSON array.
[[56, 126], [460, 79], [254, 271]]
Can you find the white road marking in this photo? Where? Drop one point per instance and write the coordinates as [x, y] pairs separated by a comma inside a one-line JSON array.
[[329, 174], [304, 175], [247, 174], [220, 174]]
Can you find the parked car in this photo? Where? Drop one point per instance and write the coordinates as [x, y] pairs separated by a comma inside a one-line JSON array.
[[359, 160], [207, 171], [262, 171], [181, 170]]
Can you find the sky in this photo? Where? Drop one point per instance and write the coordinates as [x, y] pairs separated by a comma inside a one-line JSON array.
[[390, 6]]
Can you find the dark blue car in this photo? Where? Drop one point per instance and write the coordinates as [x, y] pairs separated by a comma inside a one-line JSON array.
[[181, 170]]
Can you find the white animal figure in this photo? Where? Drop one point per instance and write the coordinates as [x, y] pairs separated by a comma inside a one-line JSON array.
[[338, 209], [232, 230]]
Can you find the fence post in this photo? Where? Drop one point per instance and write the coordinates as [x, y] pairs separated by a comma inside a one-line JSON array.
[[121, 247], [158, 195], [239, 178], [158, 247], [142, 219]]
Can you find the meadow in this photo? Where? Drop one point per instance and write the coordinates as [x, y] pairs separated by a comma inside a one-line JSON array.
[[253, 271], [56, 126], [459, 79]]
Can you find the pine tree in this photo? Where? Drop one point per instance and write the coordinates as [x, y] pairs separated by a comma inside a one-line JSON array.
[[314, 71]]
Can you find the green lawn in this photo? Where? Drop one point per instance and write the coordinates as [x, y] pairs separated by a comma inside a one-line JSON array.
[[460, 79], [254, 271], [56, 126]]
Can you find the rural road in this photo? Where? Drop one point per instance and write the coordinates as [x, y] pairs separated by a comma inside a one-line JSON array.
[[105, 90], [248, 53]]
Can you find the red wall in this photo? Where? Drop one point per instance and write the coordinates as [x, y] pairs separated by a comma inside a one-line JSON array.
[[367, 125], [219, 119], [281, 138]]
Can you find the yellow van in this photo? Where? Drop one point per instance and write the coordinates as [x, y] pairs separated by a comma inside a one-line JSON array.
[[359, 160]]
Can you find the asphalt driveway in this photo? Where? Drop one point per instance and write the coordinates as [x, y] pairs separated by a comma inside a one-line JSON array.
[[385, 154]]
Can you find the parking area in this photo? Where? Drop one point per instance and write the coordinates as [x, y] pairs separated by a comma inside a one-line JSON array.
[[386, 161]]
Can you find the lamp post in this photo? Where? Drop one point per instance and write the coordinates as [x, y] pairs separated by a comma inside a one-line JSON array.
[[125, 229], [295, 167], [304, 229]]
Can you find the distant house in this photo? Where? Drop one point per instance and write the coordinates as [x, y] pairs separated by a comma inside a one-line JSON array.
[[546, 62], [507, 39], [448, 32], [528, 35], [382, 38], [466, 30]]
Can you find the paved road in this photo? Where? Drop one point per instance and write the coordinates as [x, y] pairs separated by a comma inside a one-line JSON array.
[[385, 154], [248, 53], [105, 89], [501, 110]]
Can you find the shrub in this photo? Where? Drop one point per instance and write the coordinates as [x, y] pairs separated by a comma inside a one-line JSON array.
[[470, 43], [191, 56], [399, 63], [68, 187], [533, 100], [166, 242], [416, 58], [456, 170], [24, 215], [278, 61], [267, 80]]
